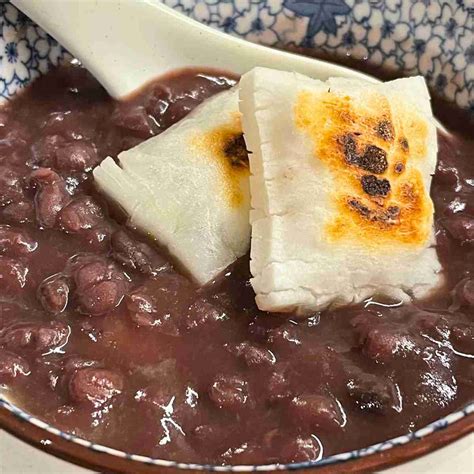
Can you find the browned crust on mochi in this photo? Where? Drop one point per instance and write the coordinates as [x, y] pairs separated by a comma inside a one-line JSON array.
[[373, 149]]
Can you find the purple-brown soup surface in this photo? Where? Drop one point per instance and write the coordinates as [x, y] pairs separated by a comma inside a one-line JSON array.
[[101, 337]]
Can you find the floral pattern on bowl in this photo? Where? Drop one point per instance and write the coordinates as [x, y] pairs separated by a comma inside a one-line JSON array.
[[26, 51], [433, 38]]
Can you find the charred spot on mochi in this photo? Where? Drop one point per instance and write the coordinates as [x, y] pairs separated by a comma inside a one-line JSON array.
[[387, 216], [350, 149], [385, 130], [236, 150], [399, 168], [359, 207], [224, 147], [393, 212], [374, 160], [404, 144], [374, 186]]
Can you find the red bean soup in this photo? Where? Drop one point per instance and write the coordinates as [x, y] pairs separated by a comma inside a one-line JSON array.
[[102, 337]]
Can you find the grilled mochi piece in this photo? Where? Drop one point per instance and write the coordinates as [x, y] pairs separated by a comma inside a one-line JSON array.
[[340, 179], [188, 187]]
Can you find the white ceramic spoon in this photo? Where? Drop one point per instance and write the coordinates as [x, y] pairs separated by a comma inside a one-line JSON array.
[[127, 43]]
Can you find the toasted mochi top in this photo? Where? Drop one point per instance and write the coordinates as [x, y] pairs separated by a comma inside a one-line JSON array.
[[375, 153], [188, 188], [341, 173]]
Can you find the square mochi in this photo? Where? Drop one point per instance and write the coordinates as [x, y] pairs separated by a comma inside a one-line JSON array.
[[188, 187], [340, 180]]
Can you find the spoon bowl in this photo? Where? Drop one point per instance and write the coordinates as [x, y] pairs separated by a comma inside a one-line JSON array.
[[126, 44]]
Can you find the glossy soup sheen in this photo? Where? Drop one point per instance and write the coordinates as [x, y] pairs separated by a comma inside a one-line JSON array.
[[100, 337]]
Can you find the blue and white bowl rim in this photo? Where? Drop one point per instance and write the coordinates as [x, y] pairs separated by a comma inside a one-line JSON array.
[[419, 434], [29, 53]]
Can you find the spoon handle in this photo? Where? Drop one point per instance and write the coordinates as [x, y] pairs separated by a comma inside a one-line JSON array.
[[127, 43]]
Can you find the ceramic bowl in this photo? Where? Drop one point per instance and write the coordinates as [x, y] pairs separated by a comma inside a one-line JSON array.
[[426, 37]]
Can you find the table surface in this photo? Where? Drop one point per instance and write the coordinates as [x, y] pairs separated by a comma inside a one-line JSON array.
[[17, 457]]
